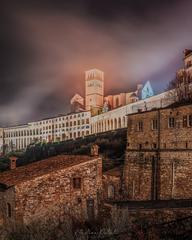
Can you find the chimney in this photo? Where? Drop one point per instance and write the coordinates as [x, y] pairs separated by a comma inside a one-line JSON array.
[[94, 150], [13, 162]]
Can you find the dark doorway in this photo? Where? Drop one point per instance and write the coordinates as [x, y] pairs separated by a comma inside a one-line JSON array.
[[90, 210]]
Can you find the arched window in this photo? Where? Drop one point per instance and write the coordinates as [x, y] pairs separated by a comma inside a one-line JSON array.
[[115, 123], [111, 124], [111, 191], [102, 126]]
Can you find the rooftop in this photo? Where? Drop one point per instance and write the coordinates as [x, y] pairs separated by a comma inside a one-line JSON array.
[[40, 168]]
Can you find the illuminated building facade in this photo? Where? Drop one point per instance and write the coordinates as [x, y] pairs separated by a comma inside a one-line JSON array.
[[60, 128], [98, 116]]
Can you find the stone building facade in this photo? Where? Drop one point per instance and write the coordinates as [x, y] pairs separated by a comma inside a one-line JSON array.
[[55, 188], [74, 125], [117, 118], [159, 154], [59, 128]]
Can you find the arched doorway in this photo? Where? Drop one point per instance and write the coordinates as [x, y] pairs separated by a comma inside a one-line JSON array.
[[111, 191]]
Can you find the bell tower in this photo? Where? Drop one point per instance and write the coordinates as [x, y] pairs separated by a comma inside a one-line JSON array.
[[94, 90]]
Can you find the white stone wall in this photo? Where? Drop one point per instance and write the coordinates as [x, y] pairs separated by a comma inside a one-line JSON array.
[[59, 128], [116, 118]]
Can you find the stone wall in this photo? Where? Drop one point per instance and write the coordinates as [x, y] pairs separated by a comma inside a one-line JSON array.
[[158, 160], [52, 197], [112, 184]]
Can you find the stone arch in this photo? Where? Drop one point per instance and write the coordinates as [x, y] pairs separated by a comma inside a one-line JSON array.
[[119, 122], [115, 124], [111, 124], [101, 126], [108, 125], [124, 121], [97, 127], [104, 125]]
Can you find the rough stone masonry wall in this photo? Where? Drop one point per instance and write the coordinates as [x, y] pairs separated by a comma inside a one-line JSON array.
[[6, 197], [175, 175], [137, 176], [113, 181], [175, 154], [52, 196]]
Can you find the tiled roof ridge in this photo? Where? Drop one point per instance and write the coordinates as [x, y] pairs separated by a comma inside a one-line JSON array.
[[40, 168]]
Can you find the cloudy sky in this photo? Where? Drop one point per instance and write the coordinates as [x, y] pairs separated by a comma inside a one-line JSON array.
[[47, 45]]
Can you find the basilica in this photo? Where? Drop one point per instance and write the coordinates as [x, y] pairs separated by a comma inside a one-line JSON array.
[[95, 100], [94, 113]]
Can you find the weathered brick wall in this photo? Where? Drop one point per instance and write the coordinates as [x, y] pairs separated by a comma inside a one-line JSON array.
[[52, 196], [7, 196], [166, 150]]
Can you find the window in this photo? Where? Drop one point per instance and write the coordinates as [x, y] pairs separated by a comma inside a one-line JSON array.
[[190, 120], [140, 126], [171, 122], [9, 213], [140, 146], [184, 121], [154, 124], [77, 183], [154, 145]]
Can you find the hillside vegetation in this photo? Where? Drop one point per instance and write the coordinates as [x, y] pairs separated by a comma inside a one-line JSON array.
[[111, 144]]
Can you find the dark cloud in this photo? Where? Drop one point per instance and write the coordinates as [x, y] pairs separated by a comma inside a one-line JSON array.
[[47, 46]]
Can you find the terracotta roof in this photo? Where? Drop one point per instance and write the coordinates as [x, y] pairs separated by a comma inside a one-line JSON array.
[[117, 171], [40, 168]]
